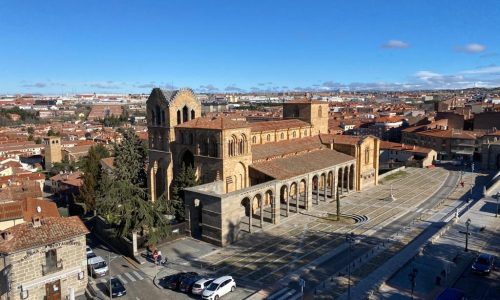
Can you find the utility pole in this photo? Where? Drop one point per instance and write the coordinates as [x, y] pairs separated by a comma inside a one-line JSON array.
[[496, 211], [109, 276]]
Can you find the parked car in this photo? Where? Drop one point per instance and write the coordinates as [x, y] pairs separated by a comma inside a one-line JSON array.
[[117, 288], [484, 263], [200, 285], [175, 281], [97, 266], [218, 288], [188, 282], [90, 252]]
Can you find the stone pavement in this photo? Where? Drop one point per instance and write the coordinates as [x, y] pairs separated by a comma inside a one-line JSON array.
[[446, 258]]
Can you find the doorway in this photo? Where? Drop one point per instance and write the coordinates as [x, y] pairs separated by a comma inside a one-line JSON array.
[[53, 290]]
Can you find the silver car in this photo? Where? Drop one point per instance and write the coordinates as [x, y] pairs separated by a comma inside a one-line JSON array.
[[200, 285]]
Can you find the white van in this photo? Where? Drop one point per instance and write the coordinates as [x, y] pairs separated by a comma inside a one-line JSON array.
[[97, 267]]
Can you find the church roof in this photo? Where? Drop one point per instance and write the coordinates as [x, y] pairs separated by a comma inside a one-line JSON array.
[[169, 95], [291, 166], [213, 123], [284, 148], [277, 125]]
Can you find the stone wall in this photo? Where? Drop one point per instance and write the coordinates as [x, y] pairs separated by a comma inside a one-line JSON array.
[[26, 269]]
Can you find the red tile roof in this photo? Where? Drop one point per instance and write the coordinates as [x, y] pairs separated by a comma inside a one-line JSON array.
[[52, 230], [283, 148], [305, 101], [403, 147], [277, 125], [47, 208], [291, 166], [11, 211], [213, 123]]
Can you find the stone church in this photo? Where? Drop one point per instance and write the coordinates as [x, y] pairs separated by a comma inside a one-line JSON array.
[[252, 173]]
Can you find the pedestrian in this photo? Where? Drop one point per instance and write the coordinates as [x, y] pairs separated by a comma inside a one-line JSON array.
[[155, 257], [159, 257]]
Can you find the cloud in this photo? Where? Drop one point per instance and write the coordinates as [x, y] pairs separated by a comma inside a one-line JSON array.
[[255, 89], [395, 44], [150, 85], [208, 88], [42, 84], [471, 48], [233, 88], [330, 85], [489, 55], [488, 70], [35, 85], [105, 85]]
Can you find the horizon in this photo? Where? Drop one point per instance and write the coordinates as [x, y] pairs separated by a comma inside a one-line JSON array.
[[126, 47]]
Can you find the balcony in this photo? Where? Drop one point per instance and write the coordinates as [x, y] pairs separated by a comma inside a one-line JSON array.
[[52, 267]]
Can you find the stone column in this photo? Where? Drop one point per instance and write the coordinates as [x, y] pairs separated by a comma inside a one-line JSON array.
[[324, 187], [250, 204], [261, 212], [297, 197], [347, 186], [277, 208], [309, 189], [287, 199]]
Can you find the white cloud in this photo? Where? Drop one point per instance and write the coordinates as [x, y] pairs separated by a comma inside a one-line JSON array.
[[489, 70], [471, 48], [395, 44]]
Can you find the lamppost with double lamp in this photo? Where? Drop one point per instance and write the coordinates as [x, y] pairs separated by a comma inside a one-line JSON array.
[[351, 239], [467, 224], [496, 211]]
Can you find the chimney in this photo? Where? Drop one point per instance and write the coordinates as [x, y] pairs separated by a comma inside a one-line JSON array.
[[6, 235], [36, 221]]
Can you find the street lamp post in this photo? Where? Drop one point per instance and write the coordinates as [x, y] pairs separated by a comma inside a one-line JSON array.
[[496, 211], [467, 224]]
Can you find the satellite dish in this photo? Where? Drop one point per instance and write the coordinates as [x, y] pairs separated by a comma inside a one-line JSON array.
[[38, 209]]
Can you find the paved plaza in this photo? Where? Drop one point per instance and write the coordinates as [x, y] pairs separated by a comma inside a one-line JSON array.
[[310, 245]]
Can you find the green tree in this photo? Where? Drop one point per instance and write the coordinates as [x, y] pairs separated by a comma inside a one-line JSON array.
[[31, 130], [131, 158], [51, 133], [91, 168], [185, 178], [122, 195]]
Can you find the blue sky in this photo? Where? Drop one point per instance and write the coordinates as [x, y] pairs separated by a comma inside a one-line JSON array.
[[132, 46]]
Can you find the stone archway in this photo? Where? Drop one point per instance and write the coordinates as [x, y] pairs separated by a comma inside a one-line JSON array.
[[240, 176], [340, 180], [351, 178], [284, 198]]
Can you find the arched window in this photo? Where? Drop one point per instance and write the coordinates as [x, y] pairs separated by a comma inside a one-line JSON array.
[[179, 117], [163, 117], [182, 138], [305, 132], [158, 115], [254, 139], [282, 136], [268, 137], [214, 151], [320, 112], [367, 155], [185, 114], [153, 117], [240, 147], [192, 114], [293, 134]]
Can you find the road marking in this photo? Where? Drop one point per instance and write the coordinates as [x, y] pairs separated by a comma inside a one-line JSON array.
[[419, 210], [132, 279], [138, 275], [121, 278]]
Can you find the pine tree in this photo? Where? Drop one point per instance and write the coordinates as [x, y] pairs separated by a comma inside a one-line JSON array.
[[91, 176], [131, 158], [185, 178]]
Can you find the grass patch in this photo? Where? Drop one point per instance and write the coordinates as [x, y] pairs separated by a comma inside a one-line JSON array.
[[397, 175]]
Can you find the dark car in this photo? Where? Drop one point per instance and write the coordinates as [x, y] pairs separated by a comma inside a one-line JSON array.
[[188, 282], [174, 281], [484, 263], [117, 288]]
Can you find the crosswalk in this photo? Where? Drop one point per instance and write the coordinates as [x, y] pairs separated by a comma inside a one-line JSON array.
[[285, 294], [125, 277]]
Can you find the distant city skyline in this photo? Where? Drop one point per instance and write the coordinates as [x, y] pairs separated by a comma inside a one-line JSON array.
[[59, 47]]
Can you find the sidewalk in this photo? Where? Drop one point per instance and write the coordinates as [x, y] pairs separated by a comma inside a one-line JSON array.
[[445, 258]]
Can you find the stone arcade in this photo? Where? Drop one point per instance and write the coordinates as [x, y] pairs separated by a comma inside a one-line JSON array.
[[252, 174]]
